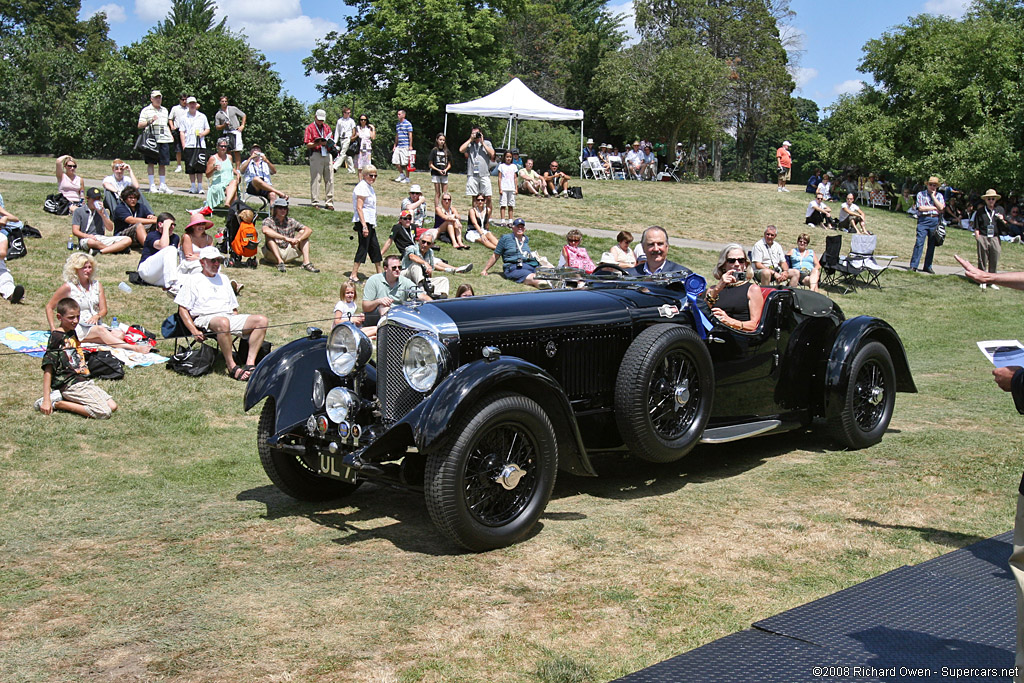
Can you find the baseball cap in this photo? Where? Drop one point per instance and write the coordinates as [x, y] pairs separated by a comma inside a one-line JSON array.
[[93, 193], [190, 100], [212, 253], [517, 222], [787, 143], [156, 93], [416, 189], [280, 201], [321, 115], [405, 214]]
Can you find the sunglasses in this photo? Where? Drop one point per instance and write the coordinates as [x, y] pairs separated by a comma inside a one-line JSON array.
[[573, 241], [363, 120], [446, 199], [736, 260], [222, 146], [371, 175], [427, 242], [801, 242], [395, 268], [70, 165]]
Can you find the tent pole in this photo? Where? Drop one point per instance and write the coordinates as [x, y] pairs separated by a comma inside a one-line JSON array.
[[581, 149], [446, 125]]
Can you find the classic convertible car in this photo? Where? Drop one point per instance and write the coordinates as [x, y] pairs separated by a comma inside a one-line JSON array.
[[479, 401]]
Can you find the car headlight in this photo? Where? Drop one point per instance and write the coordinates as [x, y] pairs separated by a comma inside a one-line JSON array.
[[340, 404], [425, 362], [347, 348], [319, 390]]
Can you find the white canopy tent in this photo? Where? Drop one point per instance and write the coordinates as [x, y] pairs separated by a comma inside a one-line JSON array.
[[514, 102]]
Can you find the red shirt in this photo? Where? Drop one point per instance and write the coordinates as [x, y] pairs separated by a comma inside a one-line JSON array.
[[316, 130], [782, 154]]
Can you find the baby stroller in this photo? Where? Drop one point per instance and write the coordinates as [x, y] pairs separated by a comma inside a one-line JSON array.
[[241, 239]]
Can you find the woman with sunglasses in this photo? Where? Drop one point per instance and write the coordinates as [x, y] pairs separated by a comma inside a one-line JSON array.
[[366, 134], [735, 301], [804, 261], [223, 177], [69, 183], [479, 223], [448, 223], [364, 220]]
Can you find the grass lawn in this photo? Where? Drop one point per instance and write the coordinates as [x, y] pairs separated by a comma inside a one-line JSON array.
[[153, 547]]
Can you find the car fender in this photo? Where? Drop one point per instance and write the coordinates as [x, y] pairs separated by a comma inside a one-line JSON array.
[[460, 392], [851, 335], [286, 375]]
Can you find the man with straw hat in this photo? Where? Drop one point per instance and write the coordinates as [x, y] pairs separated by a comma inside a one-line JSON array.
[[930, 205], [986, 222]]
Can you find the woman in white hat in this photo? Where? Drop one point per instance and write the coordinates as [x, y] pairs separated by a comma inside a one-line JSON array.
[[987, 222]]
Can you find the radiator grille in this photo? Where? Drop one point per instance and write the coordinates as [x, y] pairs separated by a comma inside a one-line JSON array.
[[396, 396]]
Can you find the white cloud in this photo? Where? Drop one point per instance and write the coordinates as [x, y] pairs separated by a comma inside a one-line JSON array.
[[949, 8], [629, 20], [152, 11], [115, 13], [849, 87], [802, 75], [244, 11], [295, 33]]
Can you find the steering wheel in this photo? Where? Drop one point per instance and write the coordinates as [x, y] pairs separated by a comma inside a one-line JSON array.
[[610, 266]]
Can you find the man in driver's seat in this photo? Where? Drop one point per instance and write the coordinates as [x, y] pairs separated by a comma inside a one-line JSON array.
[[387, 288], [655, 246]]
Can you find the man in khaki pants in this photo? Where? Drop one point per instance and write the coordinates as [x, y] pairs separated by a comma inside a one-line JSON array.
[[317, 135]]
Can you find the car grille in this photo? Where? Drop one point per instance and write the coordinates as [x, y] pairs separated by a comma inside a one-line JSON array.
[[396, 396]]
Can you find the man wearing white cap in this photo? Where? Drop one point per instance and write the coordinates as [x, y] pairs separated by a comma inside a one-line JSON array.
[[154, 117], [589, 150], [416, 205], [785, 161], [206, 300], [320, 163], [193, 128]]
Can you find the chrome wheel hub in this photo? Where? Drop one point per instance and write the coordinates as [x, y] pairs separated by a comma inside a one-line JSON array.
[[682, 394], [876, 396], [510, 476]]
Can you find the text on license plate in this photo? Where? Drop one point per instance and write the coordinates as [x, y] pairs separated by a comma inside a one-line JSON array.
[[330, 466]]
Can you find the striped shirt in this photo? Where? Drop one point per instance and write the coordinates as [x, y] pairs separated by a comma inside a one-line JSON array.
[[404, 131]]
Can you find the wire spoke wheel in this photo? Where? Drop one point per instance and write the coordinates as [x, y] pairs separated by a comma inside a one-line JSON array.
[[869, 395], [503, 453], [864, 407], [675, 395]]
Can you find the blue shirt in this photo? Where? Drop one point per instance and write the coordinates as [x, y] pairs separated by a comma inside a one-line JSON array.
[[149, 248], [404, 131], [510, 251]]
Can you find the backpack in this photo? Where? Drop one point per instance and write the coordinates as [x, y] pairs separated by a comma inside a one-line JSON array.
[[103, 365], [57, 204], [15, 242], [246, 240]]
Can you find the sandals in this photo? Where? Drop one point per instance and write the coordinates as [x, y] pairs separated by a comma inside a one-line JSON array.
[[310, 267], [239, 370], [280, 267]]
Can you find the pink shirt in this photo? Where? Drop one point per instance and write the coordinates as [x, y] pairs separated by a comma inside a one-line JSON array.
[[71, 189]]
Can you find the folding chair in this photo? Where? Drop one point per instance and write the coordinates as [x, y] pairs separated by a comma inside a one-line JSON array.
[[835, 270], [592, 168], [618, 169], [862, 255]]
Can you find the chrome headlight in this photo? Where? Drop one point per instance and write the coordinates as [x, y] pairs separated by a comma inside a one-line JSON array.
[[425, 361], [340, 404], [347, 348], [319, 390]]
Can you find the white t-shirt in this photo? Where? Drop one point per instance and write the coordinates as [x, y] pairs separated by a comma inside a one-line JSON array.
[[507, 177], [634, 157], [847, 209], [769, 257], [192, 125], [203, 295], [343, 130], [364, 190], [124, 182], [177, 114], [815, 205], [346, 308], [159, 125]]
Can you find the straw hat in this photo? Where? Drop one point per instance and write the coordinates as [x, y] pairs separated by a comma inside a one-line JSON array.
[[991, 193]]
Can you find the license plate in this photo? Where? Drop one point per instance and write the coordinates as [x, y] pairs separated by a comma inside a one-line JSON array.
[[331, 466]]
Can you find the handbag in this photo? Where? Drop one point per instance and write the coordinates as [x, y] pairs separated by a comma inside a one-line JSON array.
[[197, 158], [57, 204], [575, 192], [103, 365], [15, 242], [146, 143], [353, 148], [940, 235], [194, 360]]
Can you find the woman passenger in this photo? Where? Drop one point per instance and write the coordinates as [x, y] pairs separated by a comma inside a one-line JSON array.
[[735, 301], [621, 252], [803, 260]]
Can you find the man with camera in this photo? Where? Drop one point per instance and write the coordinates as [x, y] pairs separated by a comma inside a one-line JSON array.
[[256, 172], [230, 120], [770, 265], [479, 155], [318, 144]]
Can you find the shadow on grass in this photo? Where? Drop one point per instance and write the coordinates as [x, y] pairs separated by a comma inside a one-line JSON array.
[[624, 477], [953, 539]]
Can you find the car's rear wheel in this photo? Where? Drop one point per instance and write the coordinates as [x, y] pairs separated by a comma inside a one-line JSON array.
[[664, 392], [295, 474], [489, 483], [867, 404]]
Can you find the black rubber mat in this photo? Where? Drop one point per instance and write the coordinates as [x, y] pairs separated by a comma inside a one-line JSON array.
[[954, 611]]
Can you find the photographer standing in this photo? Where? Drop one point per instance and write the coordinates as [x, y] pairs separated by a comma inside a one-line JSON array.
[[1010, 379], [479, 155]]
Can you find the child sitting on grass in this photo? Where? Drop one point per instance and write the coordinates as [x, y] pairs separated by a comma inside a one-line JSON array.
[[66, 383]]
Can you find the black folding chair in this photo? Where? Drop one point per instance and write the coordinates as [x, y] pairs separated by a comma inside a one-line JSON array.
[[835, 270]]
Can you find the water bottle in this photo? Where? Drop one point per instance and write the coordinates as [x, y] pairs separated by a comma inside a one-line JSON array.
[[113, 323], [71, 242]]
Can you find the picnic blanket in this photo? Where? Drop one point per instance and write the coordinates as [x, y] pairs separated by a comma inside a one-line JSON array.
[[34, 343]]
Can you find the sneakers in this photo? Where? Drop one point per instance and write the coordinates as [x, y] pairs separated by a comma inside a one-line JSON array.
[[54, 397], [164, 189], [779, 190], [152, 188], [281, 268], [983, 285], [464, 269], [785, 189], [236, 288], [19, 292], [178, 169], [990, 287], [399, 179]]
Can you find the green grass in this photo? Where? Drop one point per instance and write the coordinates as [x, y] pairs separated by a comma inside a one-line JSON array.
[[152, 546]]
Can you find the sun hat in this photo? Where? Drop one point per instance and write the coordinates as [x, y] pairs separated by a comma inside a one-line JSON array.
[[280, 201], [199, 219], [415, 189], [211, 253], [991, 193], [590, 141], [933, 179], [321, 115]]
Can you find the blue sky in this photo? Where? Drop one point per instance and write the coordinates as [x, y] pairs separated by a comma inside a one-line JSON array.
[[829, 36]]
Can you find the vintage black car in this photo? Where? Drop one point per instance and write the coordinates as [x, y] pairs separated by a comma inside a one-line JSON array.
[[479, 401]]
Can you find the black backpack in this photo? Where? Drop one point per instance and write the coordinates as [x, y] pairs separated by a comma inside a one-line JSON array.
[[103, 365], [57, 204], [15, 242]]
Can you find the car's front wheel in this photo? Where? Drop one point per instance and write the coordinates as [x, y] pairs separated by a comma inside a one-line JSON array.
[[664, 392], [295, 474], [489, 483], [867, 404]]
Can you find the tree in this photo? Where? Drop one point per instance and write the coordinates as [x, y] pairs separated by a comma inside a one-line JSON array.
[[198, 16]]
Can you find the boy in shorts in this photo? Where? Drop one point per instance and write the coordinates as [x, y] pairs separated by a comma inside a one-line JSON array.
[[66, 383]]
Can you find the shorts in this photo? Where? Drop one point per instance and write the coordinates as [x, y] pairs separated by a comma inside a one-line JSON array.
[[475, 186], [163, 153], [400, 156], [288, 253], [106, 240], [786, 172], [87, 394], [439, 179], [508, 198], [6, 284], [474, 236], [517, 273], [249, 189], [236, 322], [237, 135], [177, 144]]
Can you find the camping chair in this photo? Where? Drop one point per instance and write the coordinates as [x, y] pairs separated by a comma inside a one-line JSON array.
[[835, 270], [862, 255], [592, 168], [618, 168]]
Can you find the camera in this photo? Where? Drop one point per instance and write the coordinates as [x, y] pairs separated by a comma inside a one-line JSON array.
[[428, 287]]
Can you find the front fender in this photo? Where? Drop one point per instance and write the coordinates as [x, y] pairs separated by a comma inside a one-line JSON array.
[[461, 392], [853, 334], [286, 375]]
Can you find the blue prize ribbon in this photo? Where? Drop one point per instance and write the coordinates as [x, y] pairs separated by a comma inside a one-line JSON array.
[[695, 286]]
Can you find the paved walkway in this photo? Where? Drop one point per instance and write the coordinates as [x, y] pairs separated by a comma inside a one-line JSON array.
[[389, 211]]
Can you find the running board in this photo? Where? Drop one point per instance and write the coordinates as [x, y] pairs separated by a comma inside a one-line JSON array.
[[740, 431]]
